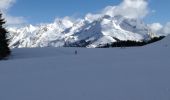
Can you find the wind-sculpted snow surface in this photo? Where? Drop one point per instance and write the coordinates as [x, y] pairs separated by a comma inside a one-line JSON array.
[[100, 30], [93, 74]]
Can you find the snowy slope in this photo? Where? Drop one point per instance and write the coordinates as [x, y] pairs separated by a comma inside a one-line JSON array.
[[164, 42], [94, 74], [93, 30]]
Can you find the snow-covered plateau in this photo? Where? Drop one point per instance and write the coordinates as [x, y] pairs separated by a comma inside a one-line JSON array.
[[138, 73]]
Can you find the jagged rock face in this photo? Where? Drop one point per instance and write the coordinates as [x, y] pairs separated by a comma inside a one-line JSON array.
[[83, 32]]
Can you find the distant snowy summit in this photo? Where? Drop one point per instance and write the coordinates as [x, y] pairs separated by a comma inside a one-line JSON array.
[[93, 31]]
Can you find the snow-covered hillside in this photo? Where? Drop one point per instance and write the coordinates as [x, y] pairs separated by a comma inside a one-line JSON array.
[[140, 73], [91, 31], [165, 42]]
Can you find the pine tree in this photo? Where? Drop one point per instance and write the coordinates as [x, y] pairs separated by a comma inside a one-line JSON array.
[[4, 49]]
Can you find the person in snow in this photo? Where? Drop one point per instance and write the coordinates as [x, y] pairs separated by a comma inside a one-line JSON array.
[[75, 52]]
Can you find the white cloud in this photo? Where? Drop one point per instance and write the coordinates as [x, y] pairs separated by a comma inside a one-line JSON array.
[[66, 21], [129, 8], [156, 27], [5, 4], [11, 20], [91, 17], [159, 29], [166, 29]]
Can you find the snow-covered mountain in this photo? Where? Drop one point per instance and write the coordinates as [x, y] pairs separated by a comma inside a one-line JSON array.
[[92, 31]]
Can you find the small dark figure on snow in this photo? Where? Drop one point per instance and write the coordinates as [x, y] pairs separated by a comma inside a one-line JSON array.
[[75, 52]]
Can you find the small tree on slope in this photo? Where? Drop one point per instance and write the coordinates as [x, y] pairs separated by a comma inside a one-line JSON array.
[[4, 49]]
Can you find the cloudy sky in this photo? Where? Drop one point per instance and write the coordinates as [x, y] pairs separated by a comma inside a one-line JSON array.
[[45, 11]]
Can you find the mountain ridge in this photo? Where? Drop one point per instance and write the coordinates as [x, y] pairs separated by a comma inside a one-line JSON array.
[[89, 32]]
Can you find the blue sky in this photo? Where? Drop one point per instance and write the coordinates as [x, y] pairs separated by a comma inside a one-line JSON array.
[[41, 11], [161, 8], [48, 10]]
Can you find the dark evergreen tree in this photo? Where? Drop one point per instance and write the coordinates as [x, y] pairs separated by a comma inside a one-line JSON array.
[[4, 49]]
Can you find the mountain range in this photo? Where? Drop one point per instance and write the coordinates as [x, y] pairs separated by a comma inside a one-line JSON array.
[[92, 31]]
